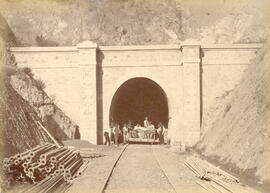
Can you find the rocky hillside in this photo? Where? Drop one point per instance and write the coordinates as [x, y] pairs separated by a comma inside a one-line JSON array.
[[18, 121], [55, 120], [132, 22], [236, 130]]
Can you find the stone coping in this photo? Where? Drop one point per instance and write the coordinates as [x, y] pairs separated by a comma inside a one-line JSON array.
[[135, 47], [44, 49], [231, 46], [140, 47]]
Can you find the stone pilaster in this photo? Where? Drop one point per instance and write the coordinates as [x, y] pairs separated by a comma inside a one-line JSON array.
[[88, 103], [191, 92]]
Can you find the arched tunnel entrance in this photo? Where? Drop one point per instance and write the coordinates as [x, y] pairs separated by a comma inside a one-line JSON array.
[[137, 98]]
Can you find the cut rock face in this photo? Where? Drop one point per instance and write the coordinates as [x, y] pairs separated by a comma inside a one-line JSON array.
[[59, 124], [238, 135]]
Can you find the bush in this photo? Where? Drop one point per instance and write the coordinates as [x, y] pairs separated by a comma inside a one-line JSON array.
[[40, 84], [27, 71], [22, 76], [53, 98]]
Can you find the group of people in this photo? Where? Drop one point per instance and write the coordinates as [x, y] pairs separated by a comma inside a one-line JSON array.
[[112, 134], [161, 132], [116, 134]]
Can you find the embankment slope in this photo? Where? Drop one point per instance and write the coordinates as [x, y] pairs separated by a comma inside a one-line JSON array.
[[236, 130]]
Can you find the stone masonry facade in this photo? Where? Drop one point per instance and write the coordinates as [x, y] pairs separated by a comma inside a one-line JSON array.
[[85, 78]]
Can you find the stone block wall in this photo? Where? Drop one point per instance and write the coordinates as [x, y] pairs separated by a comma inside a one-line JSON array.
[[191, 92], [84, 82], [222, 69]]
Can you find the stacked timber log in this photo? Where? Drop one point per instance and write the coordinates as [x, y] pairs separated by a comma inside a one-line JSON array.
[[213, 179], [46, 167]]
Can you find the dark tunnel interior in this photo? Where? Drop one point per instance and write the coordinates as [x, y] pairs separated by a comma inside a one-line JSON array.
[[136, 99]]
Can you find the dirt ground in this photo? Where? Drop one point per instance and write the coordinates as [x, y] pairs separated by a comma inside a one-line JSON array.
[[98, 170]]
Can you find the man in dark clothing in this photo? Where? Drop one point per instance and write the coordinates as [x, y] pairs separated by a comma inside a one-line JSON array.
[[107, 137]]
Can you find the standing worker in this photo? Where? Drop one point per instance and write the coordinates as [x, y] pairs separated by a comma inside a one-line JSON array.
[[160, 132], [146, 122], [125, 133], [129, 126], [112, 129], [165, 135], [107, 136], [117, 133]]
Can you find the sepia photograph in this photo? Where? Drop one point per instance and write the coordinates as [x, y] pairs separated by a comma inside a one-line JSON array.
[[134, 96]]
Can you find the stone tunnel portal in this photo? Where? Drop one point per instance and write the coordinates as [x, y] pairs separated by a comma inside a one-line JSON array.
[[137, 98]]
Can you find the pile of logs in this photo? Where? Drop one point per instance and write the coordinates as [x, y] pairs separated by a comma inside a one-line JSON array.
[[46, 167], [213, 179]]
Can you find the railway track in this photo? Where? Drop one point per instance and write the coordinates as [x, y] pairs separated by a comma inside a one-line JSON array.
[[136, 181], [148, 168], [109, 177]]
